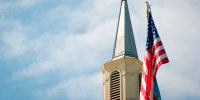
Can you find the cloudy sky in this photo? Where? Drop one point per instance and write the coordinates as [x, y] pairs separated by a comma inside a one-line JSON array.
[[54, 49]]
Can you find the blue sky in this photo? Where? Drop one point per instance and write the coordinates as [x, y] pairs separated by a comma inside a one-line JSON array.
[[54, 49]]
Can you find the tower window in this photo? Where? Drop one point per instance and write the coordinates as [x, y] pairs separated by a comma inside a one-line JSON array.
[[139, 79], [115, 85]]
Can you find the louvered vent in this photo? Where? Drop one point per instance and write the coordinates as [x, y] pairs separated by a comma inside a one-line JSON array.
[[115, 86], [139, 79]]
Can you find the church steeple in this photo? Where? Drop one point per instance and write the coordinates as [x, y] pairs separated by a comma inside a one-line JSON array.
[[124, 41], [121, 75]]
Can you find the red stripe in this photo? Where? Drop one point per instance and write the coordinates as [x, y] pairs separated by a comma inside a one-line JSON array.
[[155, 46], [146, 60], [144, 76], [149, 73], [158, 55], [151, 67], [144, 93], [163, 61]]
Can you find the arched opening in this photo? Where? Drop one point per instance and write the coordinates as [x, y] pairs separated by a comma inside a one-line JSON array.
[[115, 85], [139, 81]]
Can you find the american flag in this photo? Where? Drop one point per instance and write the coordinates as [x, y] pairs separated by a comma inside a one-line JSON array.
[[154, 57]]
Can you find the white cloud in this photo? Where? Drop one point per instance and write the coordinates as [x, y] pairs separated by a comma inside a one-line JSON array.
[[64, 49], [4, 5], [85, 87], [179, 31], [81, 52], [28, 3], [18, 3], [14, 41], [178, 28], [174, 86], [61, 51]]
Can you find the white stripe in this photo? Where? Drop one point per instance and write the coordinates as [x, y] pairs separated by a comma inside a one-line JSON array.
[[157, 50], [141, 96], [161, 57], [144, 64], [145, 69], [144, 84], [146, 54], [156, 41]]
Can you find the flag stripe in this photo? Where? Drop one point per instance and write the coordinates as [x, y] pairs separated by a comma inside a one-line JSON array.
[[146, 54], [144, 83], [157, 56], [156, 40], [157, 50], [164, 61], [159, 60], [145, 96], [145, 69], [154, 57], [156, 47]]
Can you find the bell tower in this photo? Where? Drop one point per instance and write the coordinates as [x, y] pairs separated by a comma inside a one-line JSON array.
[[123, 73]]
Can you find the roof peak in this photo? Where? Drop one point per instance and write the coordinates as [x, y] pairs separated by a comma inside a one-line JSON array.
[[124, 41]]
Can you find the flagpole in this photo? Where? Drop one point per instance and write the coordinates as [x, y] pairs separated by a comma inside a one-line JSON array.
[[148, 9]]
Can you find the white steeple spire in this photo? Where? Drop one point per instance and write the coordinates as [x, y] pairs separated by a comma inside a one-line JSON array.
[[124, 42], [122, 75]]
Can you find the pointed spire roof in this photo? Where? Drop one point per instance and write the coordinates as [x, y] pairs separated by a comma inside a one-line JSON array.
[[124, 41]]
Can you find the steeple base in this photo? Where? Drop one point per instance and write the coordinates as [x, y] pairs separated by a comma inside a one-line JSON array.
[[126, 86]]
